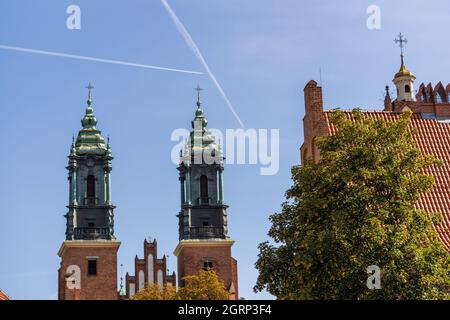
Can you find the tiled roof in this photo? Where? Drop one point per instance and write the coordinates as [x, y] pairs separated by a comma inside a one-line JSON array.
[[432, 137], [3, 296]]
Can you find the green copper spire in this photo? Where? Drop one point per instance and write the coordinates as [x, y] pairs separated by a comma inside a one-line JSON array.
[[89, 120], [108, 148], [201, 141], [90, 140], [199, 121], [73, 151]]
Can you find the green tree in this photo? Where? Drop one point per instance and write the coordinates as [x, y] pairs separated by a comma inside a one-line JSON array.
[[352, 209]]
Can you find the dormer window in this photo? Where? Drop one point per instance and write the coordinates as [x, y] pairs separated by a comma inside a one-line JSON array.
[[407, 88]]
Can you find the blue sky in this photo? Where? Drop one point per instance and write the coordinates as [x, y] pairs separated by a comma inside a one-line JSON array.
[[263, 52]]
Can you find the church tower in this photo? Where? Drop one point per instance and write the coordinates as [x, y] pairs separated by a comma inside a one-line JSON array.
[[404, 79], [88, 255], [203, 229]]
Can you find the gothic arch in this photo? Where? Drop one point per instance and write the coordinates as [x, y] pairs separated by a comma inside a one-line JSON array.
[[429, 93], [421, 94], [447, 91], [439, 94]]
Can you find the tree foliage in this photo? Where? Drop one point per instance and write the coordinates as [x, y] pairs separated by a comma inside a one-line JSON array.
[[206, 285], [157, 292], [352, 209]]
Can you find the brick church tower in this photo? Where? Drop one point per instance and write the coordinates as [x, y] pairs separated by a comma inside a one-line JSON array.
[[88, 268], [203, 229]]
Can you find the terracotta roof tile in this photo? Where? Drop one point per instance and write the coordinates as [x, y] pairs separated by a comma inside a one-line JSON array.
[[432, 137], [3, 296]]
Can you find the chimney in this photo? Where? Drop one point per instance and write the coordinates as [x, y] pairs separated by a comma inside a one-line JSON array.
[[313, 100]]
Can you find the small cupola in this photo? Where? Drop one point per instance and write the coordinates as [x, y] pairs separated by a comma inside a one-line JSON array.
[[404, 79]]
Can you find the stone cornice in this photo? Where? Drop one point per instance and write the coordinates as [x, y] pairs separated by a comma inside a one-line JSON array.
[[202, 243], [87, 244]]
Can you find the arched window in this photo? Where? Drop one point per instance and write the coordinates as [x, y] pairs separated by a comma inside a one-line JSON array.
[[407, 88], [90, 191], [440, 96], [204, 188]]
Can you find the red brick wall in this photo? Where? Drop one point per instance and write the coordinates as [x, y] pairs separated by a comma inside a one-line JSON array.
[[150, 248], [314, 124], [139, 264], [190, 261], [103, 286], [129, 279], [235, 277]]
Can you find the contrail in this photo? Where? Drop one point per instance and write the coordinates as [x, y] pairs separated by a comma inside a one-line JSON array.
[[190, 42], [72, 56]]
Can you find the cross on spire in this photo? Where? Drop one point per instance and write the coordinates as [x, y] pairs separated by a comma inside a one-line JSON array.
[[401, 40], [89, 87], [198, 89]]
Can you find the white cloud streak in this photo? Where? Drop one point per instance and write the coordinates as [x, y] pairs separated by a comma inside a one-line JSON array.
[[190, 42], [73, 56]]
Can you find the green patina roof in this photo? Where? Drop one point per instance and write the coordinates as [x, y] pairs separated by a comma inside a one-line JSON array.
[[199, 119], [200, 134], [89, 140]]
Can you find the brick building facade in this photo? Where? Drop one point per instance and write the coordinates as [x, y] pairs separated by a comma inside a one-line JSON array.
[[431, 121], [148, 271]]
